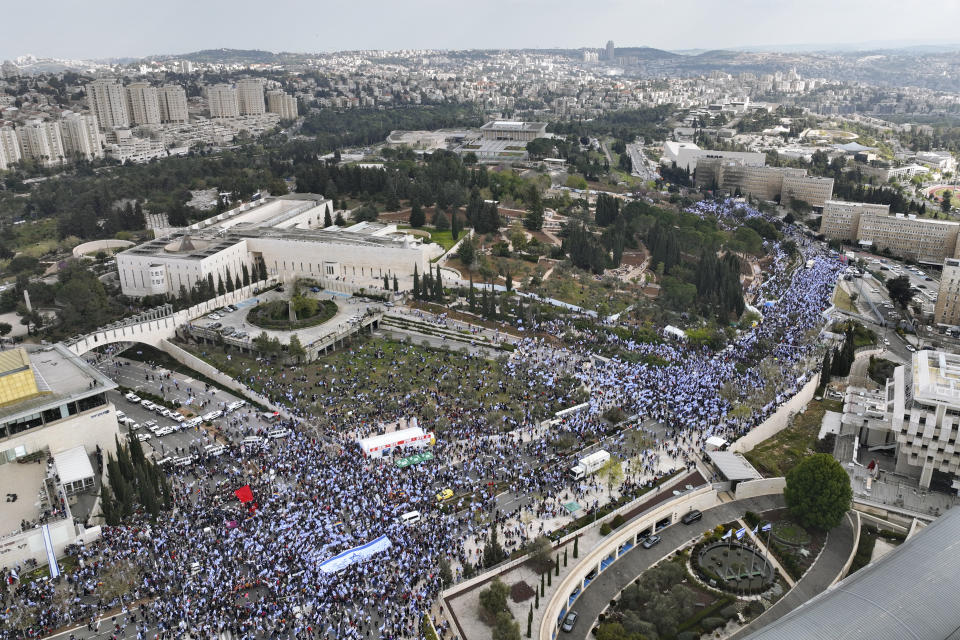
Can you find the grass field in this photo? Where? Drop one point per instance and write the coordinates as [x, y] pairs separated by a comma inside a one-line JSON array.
[[776, 456], [442, 238], [842, 300]]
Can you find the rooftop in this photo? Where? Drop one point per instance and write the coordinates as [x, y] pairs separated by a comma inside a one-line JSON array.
[[67, 377], [733, 466], [514, 125], [936, 376]]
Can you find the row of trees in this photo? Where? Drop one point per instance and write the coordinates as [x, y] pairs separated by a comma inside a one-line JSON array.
[[135, 483], [430, 288]]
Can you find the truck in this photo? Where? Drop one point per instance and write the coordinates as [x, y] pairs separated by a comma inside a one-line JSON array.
[[810, 264], [589, 464]]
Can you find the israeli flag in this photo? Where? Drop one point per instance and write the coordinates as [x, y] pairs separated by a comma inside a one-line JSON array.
[[727, 535], [765, 527], [755, 529], [740, 532]]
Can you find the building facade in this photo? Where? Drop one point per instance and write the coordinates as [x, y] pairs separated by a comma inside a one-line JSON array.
[[222, 101], [81, 136], [173, 104], [686, 155], [513, 130], [282, 104], [108, 102], [922, 239], [715, 171], [9, 147], [947, 309], [143, 104], [41, 142], [250, 97]]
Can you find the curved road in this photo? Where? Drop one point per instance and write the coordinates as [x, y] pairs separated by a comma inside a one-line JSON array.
[[621, 573]]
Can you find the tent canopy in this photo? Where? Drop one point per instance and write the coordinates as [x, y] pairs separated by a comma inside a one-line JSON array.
[[73, 465]]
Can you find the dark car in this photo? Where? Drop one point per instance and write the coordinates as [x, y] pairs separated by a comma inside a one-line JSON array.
[[691, 517], [570, 621], [651, 542]]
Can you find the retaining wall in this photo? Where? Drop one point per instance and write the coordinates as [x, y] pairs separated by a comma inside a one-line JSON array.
[[762, 487], [779, 420]]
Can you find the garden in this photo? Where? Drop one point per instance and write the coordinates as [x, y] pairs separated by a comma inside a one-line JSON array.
[[306, 312]]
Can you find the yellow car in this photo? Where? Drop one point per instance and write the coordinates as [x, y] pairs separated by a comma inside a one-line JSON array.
[[446, 494]]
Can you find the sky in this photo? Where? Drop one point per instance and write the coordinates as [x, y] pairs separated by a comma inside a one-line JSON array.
[[135, 28]]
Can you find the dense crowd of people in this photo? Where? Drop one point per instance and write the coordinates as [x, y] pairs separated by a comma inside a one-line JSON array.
[[256, 569]]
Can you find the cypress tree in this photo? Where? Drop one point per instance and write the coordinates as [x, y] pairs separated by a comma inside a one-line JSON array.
[[416, 283], [509, 282], [396, 285], [327, 220], [471, 297], [454, 224]]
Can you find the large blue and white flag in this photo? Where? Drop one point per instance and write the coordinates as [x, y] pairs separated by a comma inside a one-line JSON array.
[[765, 527], [727, 535], [740, 532], [355, 555], [51, 555]]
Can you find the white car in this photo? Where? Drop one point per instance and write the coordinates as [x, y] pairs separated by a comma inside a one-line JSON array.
[[132, 397], [133, 426], [214, 316], [176, 417], [911, 348], [164, 431], [146, 404], [143, 437], [213, 415], [120, 416]]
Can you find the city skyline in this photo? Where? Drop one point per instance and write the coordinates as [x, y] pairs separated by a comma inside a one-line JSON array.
[[111, 29]]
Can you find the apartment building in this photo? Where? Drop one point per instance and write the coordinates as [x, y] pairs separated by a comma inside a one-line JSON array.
[[143, 104], [222, 101], [716, 171], [947, 309], [41, 141], [916, 415], [9, 147], [250, 97], [108, 102], [173, 104], [282, 104], [907, 236], [80, 135]]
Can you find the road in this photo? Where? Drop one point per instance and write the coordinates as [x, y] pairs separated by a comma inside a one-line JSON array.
[[625, 570]]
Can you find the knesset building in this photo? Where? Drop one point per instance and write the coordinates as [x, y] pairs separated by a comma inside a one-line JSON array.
[[285, 235]]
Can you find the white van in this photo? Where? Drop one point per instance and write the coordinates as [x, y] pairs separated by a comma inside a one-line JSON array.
[[215, 449], [189, 424], [410, 517], [183, 461], [276, 434], [253, 441]]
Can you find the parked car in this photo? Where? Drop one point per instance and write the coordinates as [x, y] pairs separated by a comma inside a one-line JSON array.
[[214, 326], [146, 404], [143, 437], [132, 397], [444, 495], [213, 415], [691, 516], [570, 621], [651, 542]]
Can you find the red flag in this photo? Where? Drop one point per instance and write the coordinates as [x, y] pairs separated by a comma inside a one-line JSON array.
[[244, 493]]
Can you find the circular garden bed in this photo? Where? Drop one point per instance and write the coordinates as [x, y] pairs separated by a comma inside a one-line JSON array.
[[790, 533], [734, 567], [275, 314]]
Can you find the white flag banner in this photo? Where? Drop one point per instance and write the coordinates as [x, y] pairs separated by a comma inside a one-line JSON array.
[[355, 555]]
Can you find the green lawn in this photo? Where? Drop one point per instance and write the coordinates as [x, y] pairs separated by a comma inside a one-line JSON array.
[[842, 300], [776, 456], [442, 238]]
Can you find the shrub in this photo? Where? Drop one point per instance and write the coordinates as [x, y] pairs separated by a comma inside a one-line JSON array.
[[521, 591], [605, 529], [751, 518], [688, 635], [617, 521], [729, 612], [711, 623]]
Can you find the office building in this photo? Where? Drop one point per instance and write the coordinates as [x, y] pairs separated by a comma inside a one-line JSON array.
[[81, 137], [41, 141], [173, 104], [108, 102], [9, 147], [222, 101], [916, 416], [143, 104], [947, 309], [942, 161], [686, 154], [715, 171], [611, 51], [282, 104], [907, 236], [286, 236], [250, 97], [513, 130]]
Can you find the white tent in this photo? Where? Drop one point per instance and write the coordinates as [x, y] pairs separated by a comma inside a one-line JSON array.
[[375, 446], [74, 468], [715, 442]]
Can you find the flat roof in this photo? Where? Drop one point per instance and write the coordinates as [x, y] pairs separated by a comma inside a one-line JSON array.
[[25, 480], [936, 376], [68, 378], [73, 464], [514, 125], [733, 466]]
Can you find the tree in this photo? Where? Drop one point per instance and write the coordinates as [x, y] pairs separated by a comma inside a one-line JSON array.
[[5, 328], [327, 220], [493, 553], [417, 217], [825, 371], [540, 550], [530, 621], [506, 628], [338, 220], [396, 285], [534, 218], [454, 225], [466, 252], [946, 202], [818, 491], [416, 283], [509, 278], [612, 473], [493, 600], [446, 574], [295, 349], [900, 290]]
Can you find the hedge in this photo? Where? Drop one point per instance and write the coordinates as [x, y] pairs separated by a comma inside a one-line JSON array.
[[426, 629], [706, 612]]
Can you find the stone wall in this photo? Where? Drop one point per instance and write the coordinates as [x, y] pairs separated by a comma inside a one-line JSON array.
[[779, 420]]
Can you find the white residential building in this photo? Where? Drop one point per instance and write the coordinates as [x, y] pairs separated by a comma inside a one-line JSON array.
[[80, 136], [9, 147], [222, 100], [108, 102], [143, 104], [41, 141], [173, 104], [250, 97], [282, 104]]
